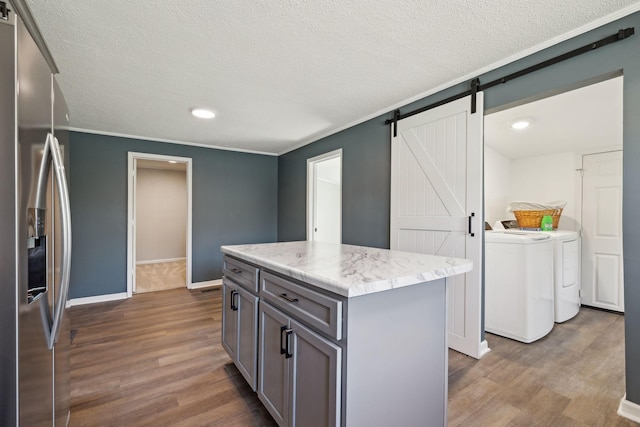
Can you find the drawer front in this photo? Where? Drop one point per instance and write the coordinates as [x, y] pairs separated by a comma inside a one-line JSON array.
[[319, 311], [242, 273]]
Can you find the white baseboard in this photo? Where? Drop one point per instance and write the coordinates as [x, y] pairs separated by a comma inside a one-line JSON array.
[[629, 409], [207, 284], [96, 299], [158, 261], [123, 295], [484, 348]]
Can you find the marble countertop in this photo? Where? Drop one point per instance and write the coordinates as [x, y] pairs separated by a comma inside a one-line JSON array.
[[348, 270]]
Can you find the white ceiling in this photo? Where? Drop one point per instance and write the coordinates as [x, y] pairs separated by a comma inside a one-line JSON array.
[[580, 120], [280, 74]]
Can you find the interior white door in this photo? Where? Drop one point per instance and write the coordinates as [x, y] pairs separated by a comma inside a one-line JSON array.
[[602, 263], [436, 204], [325, 197]]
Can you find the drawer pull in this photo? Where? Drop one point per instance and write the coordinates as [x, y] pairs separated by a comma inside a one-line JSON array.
[[286, 298], [236, 270]]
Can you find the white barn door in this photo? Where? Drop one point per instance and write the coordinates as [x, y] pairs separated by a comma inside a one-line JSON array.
[[436, 204]]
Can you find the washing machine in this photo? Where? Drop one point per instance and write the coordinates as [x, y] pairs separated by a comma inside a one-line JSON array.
[[566, 263], [519, 284]]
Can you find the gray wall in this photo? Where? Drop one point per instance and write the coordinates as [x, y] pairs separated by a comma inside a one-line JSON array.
[[366, 184], [234, 202], [366, 162]]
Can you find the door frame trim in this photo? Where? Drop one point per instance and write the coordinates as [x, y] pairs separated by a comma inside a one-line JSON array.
[[311, 190], [131, 237]]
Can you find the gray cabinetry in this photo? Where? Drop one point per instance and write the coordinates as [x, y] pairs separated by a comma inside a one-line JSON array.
[[328, 359], [247, 351], [273, 384], [300, 372], [229, 318], [240, 324], [242, 273], [319, 311], [315, 378]]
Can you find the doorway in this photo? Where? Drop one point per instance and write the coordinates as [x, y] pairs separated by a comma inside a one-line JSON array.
[[545, 162], [159, 231], [324, 197]]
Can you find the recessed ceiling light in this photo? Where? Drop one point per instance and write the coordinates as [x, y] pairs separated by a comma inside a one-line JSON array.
[[520, 124], [172, 161], [202, 113]]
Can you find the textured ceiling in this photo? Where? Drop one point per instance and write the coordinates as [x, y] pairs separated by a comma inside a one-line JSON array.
[[580, 121], [280, 74]]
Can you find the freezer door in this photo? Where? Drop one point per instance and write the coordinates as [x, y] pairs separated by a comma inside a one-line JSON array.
[[35, 359]]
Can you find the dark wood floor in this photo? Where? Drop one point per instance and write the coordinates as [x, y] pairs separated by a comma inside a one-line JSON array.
[[156, 360], [572, 377]]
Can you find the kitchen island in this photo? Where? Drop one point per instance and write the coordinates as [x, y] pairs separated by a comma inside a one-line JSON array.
[[331, 334]]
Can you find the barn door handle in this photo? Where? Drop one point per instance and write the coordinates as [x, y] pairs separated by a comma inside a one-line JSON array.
[[470, 230]]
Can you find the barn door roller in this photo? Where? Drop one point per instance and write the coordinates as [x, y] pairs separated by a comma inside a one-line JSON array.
[[4, 11]]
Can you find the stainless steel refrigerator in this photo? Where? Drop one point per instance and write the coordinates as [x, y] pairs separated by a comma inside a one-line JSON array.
[[35, 229]]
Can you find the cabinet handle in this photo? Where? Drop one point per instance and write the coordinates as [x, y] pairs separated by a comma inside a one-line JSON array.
[[286, 298], [234, 306], [283, 350], [287, 340], [236, 270]]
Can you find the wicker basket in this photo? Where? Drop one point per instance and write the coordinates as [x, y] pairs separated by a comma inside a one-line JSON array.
[[556, 218], [532, 219]]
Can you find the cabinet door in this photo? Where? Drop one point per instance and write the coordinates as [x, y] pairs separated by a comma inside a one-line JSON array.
[[273, 386], [315, 379], [229, 318], [247, 350]]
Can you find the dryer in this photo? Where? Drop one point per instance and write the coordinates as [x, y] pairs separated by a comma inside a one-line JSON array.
[[519, 284], [566, 263]]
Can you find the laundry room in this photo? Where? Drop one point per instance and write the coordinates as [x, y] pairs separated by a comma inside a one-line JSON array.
[[560, 149]]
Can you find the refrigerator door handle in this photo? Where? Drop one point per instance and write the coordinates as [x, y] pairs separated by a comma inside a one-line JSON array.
[[52, 147], [43, 176], [38, 228]]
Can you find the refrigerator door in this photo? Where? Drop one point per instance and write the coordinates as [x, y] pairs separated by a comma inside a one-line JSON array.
[[62, 365], [7, 227], [35, 359]]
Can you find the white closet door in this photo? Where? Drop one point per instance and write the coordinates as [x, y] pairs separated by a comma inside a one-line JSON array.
[[602, 265], [436, 197]]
